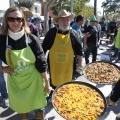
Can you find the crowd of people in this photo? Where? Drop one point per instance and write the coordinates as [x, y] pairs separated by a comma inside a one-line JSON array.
[[31, 77]]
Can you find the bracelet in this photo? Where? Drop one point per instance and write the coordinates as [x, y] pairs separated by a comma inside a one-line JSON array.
[[1, 68]]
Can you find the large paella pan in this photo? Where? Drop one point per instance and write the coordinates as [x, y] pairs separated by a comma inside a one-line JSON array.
[[102, 72], [79, 101]]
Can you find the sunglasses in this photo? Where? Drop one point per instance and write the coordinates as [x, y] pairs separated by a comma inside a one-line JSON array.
[[12, 19]]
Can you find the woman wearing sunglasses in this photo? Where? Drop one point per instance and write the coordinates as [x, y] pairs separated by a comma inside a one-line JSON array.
[[27, 77]]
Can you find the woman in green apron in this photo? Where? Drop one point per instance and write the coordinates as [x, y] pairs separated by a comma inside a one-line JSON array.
[[117, 42], [27, 77]]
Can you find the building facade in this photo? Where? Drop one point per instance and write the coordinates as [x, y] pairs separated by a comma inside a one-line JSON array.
[[4, 4]]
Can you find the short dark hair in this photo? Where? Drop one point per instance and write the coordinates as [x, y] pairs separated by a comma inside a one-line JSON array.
[[79, 18], [103, 18]]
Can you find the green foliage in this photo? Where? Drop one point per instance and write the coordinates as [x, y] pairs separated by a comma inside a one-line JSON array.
[[112, 7], [109, 16], [86, 13], [66, 4], [25, 3], [80, 7], [77, 9]]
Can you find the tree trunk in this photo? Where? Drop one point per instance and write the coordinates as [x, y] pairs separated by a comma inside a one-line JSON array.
[[46, 19]]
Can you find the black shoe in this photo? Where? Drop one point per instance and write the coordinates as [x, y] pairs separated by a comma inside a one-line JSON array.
[[49, 100], [118, 61], [4, 103], [118, 116]]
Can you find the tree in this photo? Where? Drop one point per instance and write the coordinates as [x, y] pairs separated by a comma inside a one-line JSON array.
[[48, 4], [24, 3], [111, 7], [85, 12], [78, 6], [62, 5]]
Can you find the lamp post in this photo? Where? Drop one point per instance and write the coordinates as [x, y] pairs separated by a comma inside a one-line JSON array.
[[72, 4], [103, 11], [95, 6]]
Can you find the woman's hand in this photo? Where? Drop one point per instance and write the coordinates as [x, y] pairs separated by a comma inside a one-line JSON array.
[[7, 70], [47, 85], [47, 88]]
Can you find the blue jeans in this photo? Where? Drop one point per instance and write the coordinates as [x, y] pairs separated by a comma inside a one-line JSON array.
[[91, 48], [102, 34], [3, 89]]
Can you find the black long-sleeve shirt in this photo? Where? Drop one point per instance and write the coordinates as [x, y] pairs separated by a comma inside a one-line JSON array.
[[50, 37], [41, 64], [93, 37]]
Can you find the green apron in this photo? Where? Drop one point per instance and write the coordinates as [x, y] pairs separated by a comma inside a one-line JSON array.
[[117, 43], [26, 85]]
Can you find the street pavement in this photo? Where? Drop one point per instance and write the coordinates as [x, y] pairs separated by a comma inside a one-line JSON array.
[[103, 54]]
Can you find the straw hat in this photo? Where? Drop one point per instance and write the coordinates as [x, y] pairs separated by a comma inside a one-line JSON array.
[[93, 18], [26, 12], [63, 13]]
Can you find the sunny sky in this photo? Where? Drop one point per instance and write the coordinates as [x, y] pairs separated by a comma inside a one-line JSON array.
[[99, 3]]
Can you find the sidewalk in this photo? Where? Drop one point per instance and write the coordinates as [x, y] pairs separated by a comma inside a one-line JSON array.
[[103, 54]]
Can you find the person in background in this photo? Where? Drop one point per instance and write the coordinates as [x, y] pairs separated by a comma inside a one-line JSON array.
[[114, 97], [73, 21], [3, 89], [27, 78], [115, 54], [103, 27], [111, 29], [117, 43], [98, 28], [112, 26], [77, 26], [86, 24], [39, 26], [49, 22], [33, 28], [63, 44], [91, 41]]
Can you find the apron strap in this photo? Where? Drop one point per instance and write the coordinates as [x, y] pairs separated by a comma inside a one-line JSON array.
[[26, 39], [7, 40]]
